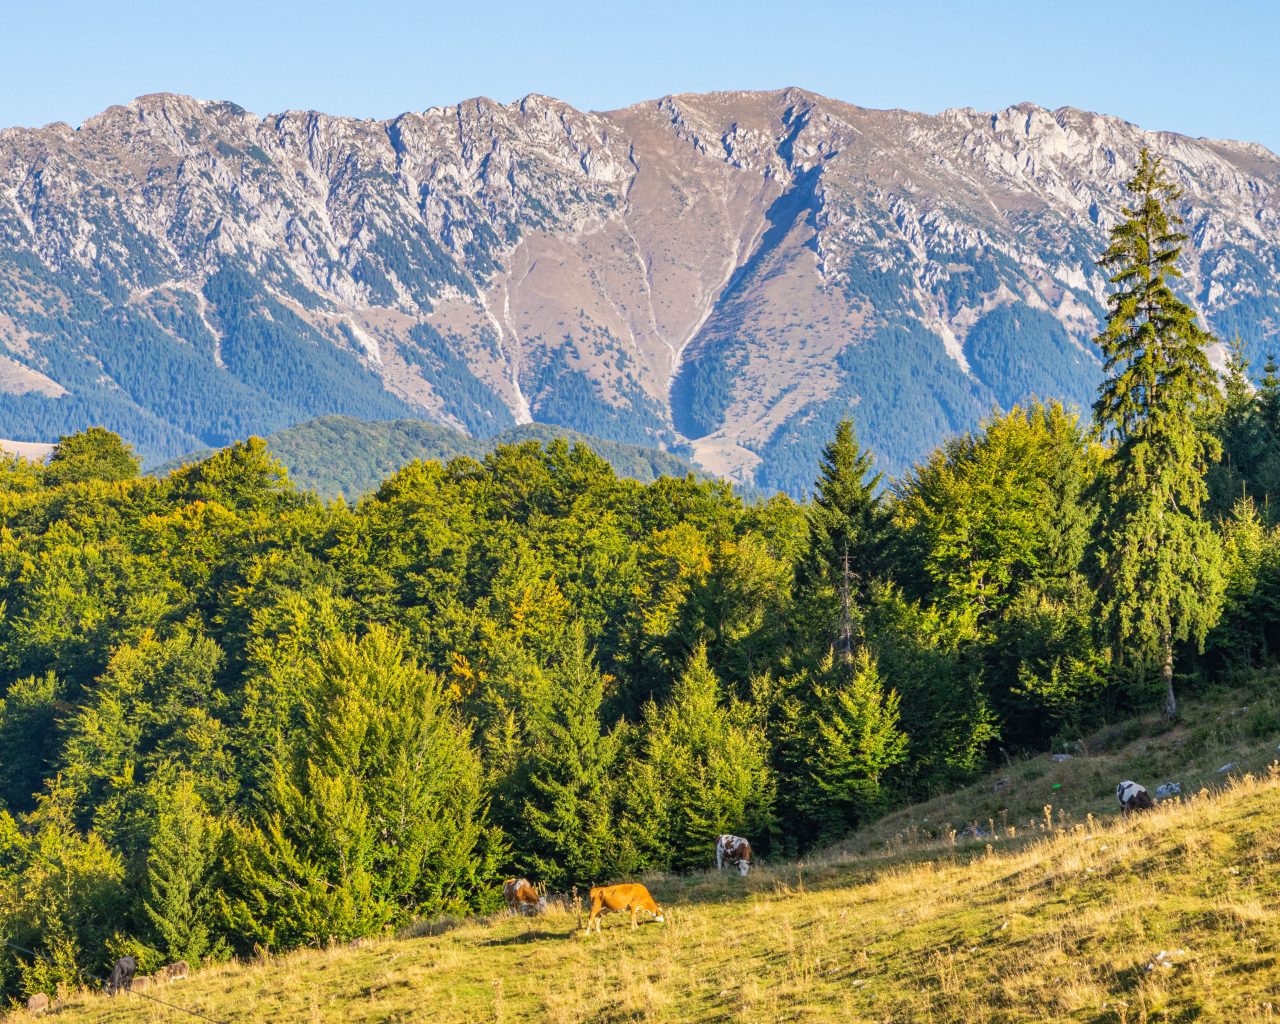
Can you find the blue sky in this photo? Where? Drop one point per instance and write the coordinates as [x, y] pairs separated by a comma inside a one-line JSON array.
[[1205, 68]]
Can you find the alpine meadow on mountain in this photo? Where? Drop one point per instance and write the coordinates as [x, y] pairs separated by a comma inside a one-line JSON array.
[[837, 540]]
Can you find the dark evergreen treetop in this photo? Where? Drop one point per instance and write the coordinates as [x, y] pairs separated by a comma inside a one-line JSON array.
[[1158, 375], [847, 516], [1269, 395], [847, 526]]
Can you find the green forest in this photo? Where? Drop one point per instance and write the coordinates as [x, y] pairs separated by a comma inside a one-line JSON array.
[[237, 717]]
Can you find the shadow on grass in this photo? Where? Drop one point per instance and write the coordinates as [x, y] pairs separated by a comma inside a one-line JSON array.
[[521, 938], [435, 926]]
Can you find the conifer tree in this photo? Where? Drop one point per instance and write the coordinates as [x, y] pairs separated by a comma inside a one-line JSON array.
[[377, 817], [1157, 560], [847, 530], [1237, 391], [852, 738], [704, 770], [180, 868], [1268, 397], [1241, 432], [570, 807]]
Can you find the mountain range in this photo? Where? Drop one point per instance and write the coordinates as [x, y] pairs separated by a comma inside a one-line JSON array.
[[721, 275]]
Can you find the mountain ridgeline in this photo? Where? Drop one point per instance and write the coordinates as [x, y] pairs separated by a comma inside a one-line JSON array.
[[725, 275]]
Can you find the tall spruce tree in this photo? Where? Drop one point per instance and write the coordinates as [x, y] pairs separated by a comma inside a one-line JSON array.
[[1268, 399], [847, 527], [1241, 432], [570, 808], [1158, 562], [1237, 390], [1264, 473]]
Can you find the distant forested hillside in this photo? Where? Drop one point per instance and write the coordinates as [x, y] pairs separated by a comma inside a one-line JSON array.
[[340, 455]]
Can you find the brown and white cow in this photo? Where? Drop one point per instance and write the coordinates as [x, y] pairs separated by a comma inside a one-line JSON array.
[[522, 897], [1133, 797], [734, 851], [630, 896]]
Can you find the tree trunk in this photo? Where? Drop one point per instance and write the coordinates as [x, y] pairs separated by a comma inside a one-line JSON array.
[[1170, 701], [846, 611]]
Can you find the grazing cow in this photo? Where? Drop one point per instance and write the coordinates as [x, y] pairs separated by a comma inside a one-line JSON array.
[[122, 975], [523, 898], [38, 1004], [613, 898], [1133, 798], [734, 851], [174, 972]]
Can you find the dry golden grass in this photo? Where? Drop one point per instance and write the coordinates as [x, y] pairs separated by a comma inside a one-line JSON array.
[[1061, 916]]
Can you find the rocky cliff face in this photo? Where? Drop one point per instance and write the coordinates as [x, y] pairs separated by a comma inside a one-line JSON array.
[[731, 272]]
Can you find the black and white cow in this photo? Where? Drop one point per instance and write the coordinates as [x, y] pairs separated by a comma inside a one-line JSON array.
[[733, 851], [1133, 797]]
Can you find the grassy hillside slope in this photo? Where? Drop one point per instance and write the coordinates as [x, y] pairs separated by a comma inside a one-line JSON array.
[[1061, 915], [336, 455]]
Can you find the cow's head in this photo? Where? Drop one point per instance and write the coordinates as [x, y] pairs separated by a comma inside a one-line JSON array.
[[744, 866]]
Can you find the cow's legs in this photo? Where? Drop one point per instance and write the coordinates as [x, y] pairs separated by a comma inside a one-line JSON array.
[[719, 858]]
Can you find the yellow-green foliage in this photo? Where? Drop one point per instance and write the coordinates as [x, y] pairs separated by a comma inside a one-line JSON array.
[[1052, 924]]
